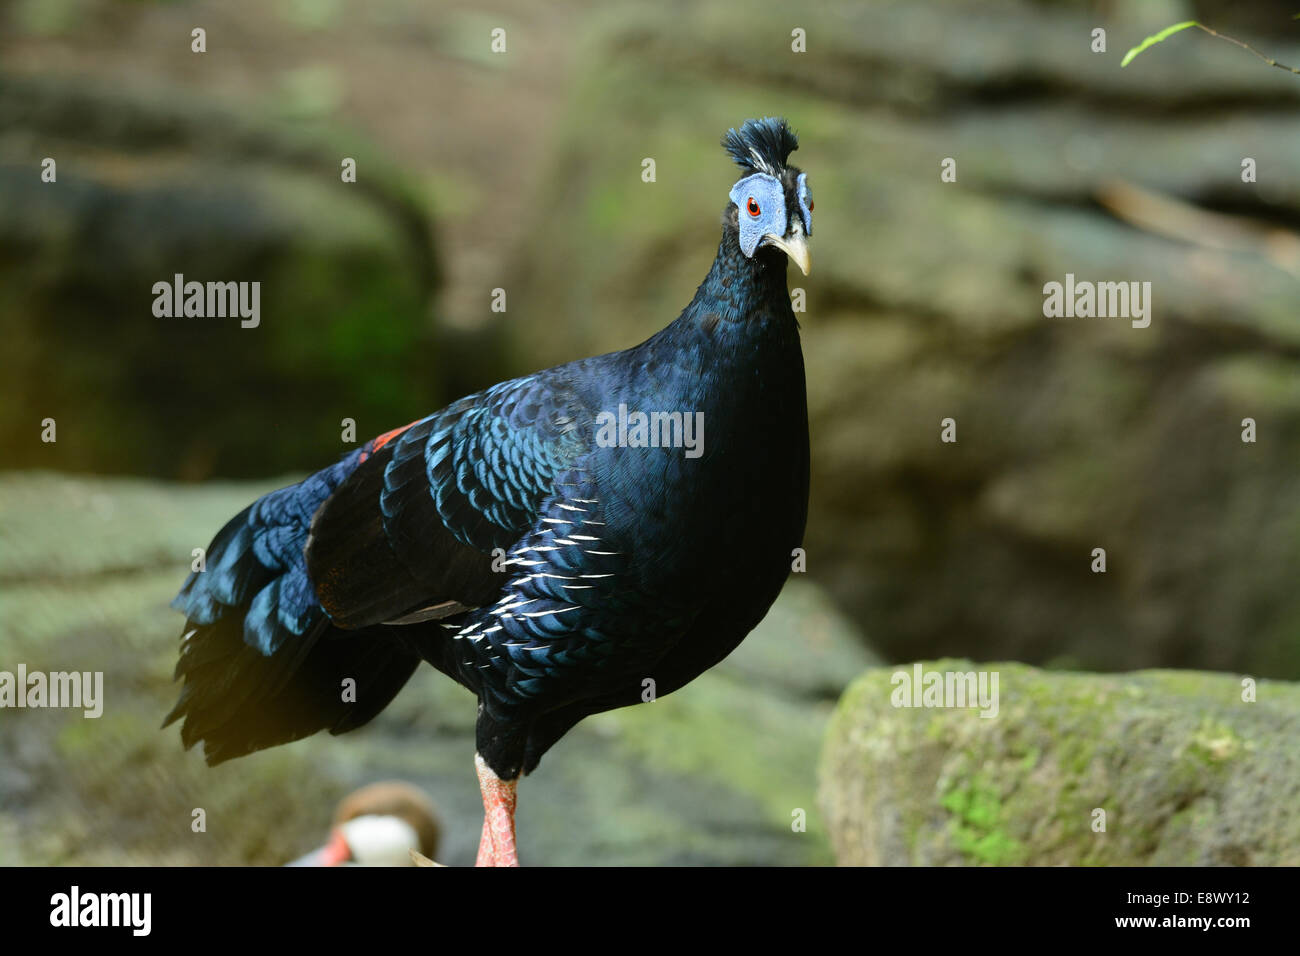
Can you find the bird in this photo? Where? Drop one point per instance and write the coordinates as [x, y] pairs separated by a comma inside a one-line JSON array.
[[379, 825], [579, 539]]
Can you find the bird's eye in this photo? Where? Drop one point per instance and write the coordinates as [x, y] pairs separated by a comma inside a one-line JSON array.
[[752, 206]]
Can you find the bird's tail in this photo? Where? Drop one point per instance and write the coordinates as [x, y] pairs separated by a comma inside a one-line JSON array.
[[262, 662]]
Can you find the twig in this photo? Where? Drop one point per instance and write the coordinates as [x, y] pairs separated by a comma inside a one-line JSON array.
[[1169, 31], [1246, 46]]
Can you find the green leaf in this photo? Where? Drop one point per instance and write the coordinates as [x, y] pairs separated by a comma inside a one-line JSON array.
[[1156, 38]]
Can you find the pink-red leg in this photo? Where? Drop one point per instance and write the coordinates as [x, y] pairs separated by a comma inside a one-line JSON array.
[[497, 844], [484, 846]]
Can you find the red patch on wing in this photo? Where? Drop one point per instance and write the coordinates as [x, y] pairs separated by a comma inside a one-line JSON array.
[[378, 443]]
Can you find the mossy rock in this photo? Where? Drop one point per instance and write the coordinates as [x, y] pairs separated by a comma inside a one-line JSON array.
[[1160, 768]]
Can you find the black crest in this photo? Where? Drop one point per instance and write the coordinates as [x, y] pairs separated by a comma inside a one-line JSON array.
[[761, 145]]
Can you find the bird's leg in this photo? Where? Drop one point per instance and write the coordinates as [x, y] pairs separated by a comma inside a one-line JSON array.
[[484, 845], [497, 844]]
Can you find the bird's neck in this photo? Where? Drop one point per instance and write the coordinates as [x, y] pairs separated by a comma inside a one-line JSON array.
[[739, 319], [740, 290]]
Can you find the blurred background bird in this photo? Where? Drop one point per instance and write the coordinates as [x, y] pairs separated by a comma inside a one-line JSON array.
[[379, 825], [552, 561]]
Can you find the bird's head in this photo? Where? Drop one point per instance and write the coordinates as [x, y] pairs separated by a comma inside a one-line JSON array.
[[772, 203], [379, 825]]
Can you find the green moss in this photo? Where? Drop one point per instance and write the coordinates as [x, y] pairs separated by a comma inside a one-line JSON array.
[[977, 826], [1215, 743], [1030, 759]]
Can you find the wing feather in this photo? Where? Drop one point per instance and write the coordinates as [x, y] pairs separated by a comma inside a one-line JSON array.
[[416, 524]]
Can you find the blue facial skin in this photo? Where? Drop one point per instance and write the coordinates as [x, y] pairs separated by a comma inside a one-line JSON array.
[[769, 197], [805, 202]]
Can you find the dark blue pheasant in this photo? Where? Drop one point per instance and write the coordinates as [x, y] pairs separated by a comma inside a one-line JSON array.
[[509, 542]]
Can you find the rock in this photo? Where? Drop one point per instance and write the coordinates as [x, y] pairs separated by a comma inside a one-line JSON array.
[[1185, 771], [712, 774], [926, 303], [151, 185]]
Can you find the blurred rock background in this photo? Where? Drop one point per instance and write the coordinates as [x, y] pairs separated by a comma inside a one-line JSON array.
[[522, 171]]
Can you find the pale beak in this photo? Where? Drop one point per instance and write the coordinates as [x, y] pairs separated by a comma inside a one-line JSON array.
[[794, 245]]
